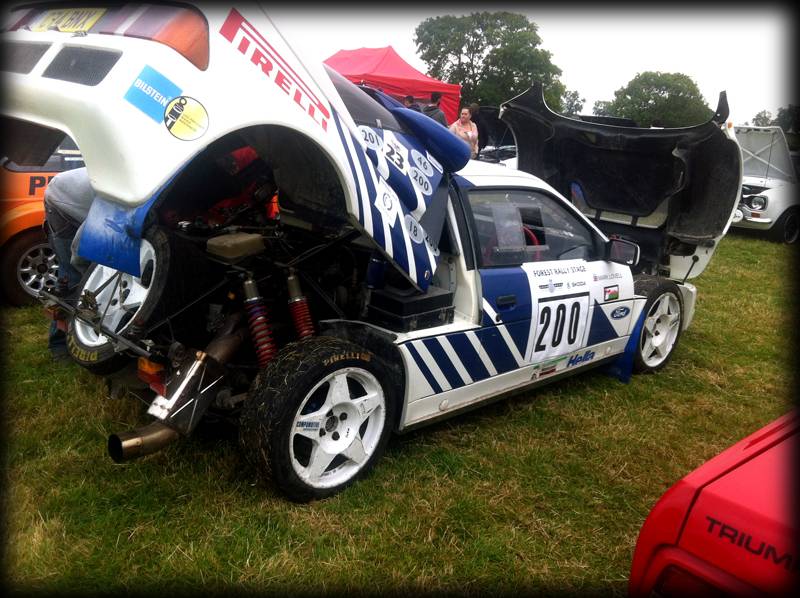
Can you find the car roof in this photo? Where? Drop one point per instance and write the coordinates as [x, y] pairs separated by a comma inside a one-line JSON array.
[[485, 174]]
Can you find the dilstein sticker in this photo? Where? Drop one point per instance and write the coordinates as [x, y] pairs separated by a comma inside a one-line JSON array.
[[186, 118]]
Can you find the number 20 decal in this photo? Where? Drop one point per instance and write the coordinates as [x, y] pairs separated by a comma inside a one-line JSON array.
[[371, 138]]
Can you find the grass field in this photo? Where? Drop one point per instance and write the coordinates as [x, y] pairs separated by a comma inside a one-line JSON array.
[[545, 491]]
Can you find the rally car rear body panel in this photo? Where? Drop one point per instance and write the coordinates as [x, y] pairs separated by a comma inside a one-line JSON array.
[[153, 111]]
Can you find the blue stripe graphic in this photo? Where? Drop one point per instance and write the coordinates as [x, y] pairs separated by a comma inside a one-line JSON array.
[[496, 349], [469, 357], [601, 329], [443, 361], [399, 244], [499, 282], [424, 368], [369, 204], [519, 331], [352, 168]]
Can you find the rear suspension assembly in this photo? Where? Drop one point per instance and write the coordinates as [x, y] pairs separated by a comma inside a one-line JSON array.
[[258, 322], [298, 307]]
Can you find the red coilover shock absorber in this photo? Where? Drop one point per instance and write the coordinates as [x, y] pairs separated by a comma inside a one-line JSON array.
[[298, 306], [258, 320]]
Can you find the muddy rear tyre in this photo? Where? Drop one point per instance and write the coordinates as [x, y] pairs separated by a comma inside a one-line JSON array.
[[318, 417]]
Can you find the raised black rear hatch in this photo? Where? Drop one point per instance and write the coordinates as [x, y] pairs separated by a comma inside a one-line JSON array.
[[673, 190]]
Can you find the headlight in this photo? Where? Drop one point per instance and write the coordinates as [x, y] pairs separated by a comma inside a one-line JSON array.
[[756, 202]]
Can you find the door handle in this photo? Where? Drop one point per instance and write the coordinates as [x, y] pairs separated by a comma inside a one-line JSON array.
[[506, 300]]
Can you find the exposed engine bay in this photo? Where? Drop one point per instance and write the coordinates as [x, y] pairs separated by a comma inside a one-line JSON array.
[[257, 270]]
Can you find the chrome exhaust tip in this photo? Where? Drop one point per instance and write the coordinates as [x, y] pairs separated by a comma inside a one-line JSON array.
[[148, 439]]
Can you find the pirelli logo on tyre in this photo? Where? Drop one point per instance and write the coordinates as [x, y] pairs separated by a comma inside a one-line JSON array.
[[344, 356], [78, 353]]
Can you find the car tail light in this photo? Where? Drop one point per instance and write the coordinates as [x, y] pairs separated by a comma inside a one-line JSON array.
[[152, 373], [181, 27], [679, 582]]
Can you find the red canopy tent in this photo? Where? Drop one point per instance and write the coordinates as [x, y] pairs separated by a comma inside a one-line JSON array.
[[385, 69]]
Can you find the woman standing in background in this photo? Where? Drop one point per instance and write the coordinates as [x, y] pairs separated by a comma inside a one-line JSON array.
[[465, 129]]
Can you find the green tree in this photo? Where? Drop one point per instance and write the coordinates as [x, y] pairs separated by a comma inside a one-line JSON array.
[[661, 99], [571, 103], [788, 118], [762, 119], [493, 55], [602, 108]]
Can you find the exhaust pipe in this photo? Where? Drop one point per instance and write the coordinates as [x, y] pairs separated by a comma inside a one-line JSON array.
[[140, 442], [206, 366]]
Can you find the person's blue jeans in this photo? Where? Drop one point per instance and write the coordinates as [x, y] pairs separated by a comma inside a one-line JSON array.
[[57, 340]]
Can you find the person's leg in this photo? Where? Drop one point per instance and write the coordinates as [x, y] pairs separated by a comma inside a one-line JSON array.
[[68, 279], [66, 204], [60, 232]]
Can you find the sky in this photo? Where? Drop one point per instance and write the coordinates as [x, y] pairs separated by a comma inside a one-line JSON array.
[[744, 50]]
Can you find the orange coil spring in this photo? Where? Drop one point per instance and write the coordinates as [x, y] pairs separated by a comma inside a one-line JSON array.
[[302, 318], [260, 331]]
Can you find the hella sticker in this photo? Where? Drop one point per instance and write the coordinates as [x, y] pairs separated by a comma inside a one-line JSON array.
[[578, 359], [620, 313], [610, 293]]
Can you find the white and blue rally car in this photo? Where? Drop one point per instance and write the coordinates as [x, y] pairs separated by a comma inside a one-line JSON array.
[[276, 245]]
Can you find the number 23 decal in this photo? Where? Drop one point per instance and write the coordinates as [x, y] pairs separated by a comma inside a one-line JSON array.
[[395, 156]]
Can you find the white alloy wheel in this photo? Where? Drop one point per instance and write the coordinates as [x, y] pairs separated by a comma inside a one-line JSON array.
[[120, 296], [337, 428], [661, 328]]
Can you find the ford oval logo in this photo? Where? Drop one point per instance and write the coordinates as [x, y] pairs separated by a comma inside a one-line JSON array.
[[620, 312]]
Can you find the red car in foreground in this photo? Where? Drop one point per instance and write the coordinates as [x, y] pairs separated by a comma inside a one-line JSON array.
[[729, 527]]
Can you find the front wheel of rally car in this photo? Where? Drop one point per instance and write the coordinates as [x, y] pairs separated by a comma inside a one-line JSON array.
[[318, 417], [663, 319], [124, 303]]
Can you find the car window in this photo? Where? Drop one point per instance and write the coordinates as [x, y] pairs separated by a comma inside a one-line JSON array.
[[66, 157], [516, 226], [363, 109]]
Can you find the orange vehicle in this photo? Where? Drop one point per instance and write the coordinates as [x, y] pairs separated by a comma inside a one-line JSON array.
[[27, 264]]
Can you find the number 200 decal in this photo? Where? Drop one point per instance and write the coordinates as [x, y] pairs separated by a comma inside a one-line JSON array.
[[561, 325], [421, 181]]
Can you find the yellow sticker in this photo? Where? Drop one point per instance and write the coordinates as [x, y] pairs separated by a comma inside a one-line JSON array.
[[186, 118], [69, 20]]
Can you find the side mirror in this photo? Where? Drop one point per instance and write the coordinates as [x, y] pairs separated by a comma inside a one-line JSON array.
[[621, 251]]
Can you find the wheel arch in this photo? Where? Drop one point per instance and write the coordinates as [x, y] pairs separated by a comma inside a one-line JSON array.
[[309, 176], [379, 342], [18, 222], [6, 240], [779, 201]]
